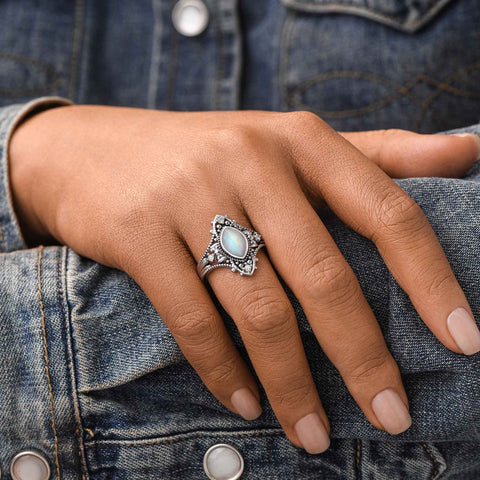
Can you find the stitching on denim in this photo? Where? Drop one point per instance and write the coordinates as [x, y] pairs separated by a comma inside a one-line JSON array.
[[434, 460], [45, 347], [220, 72], [2, 240], [77, 37], [156, 57], [182, 438], [351, 74], [80, 450], [38, 64], [357, 459], [369, 12], [442, 86], [286, 36], [172, 65], [359, 75]]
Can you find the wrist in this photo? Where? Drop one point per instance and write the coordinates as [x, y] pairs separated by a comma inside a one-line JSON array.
[[27, 155]]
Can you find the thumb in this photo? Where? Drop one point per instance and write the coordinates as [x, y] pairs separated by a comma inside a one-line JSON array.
[[401, 153]]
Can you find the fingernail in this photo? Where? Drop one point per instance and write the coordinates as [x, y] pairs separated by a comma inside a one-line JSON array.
[[391, 412], [312, 433], [246, 404], [464, 331], [475, 137]]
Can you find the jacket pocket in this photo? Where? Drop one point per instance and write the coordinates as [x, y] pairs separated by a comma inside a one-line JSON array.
[[363, 65], [402, 14], [36, 50]]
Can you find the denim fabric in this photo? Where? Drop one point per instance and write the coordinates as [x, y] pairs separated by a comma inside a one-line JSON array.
[[91, 376], [359, 64]]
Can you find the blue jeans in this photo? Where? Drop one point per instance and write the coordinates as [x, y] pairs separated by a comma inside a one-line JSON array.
[[91, 377]]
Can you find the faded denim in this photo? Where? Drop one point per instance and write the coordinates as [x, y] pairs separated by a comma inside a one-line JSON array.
[[91, 376]]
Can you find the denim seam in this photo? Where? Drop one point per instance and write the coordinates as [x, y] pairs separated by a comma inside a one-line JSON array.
[[357, 459], [77, 39], [370, 13], [45, 347], [172, 66], [182, 437], [156, 56], [2, 240], [434, 460], [220, 70], [443, 86], [292, 97], [38, 64], [76, 408], [285, 39], [238, 61], [28, 92]]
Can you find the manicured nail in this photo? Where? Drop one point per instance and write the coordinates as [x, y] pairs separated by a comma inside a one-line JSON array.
[[464, 331], [246, 404], [475, 137], [391, 412], [312, 433]]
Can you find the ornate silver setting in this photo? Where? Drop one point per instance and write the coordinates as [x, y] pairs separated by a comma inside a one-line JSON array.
[[219, 254]]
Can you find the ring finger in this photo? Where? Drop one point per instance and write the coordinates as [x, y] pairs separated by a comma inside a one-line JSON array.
[[267, 323]]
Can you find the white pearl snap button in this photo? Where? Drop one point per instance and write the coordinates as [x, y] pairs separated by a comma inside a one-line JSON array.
[[29, 465], [223, 462], [190, 17]]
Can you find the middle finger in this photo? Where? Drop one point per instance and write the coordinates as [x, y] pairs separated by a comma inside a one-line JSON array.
[[306, 256]]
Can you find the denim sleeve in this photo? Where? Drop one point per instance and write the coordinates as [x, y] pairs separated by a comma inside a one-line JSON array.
[[10, 117], [93, 379]]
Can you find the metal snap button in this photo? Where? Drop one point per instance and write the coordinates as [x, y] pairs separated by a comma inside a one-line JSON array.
[[29, 465], [190, 17], [223, 462]]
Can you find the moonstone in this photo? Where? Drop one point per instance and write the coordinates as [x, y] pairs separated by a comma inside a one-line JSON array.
[[234, 242]]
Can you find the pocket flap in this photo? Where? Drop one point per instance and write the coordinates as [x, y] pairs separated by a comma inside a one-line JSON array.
[[406, 15]]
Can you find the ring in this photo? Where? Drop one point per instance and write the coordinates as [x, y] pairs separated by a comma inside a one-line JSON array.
[[231, 246]]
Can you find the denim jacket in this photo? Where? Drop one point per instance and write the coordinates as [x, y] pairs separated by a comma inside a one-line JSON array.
[[92, 379]]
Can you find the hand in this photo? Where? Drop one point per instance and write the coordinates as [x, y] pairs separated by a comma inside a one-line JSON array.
[[137, 189]]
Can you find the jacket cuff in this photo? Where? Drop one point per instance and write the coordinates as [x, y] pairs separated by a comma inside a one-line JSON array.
[[11, 116]]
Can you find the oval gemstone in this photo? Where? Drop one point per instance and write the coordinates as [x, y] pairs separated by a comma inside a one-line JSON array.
[[234, 242]]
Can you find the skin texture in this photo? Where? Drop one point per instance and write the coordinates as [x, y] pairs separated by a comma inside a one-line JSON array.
[[137, 189]]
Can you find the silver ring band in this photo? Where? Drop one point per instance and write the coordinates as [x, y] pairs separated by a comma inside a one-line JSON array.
[[232, 246]]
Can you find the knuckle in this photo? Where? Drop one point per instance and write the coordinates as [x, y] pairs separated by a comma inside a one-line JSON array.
[[264, 313], [329, 281], [369, 367], [224, 372], [381, 140], [440, 284], [302, 118], [295, 392], [194, 326], [237, 137], [399, 214], [247, 144]]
